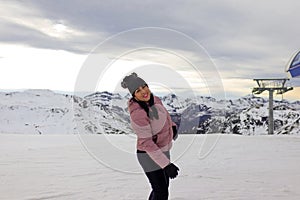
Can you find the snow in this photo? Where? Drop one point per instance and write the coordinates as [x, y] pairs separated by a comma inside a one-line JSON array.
[[224, 167]]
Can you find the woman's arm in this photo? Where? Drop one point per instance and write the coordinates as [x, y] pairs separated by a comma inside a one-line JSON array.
[[141, 126]]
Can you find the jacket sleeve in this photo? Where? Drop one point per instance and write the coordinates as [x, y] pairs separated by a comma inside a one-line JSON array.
[[141, 126]]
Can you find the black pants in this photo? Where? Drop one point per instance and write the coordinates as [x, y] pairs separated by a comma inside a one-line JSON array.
[[157, 177]]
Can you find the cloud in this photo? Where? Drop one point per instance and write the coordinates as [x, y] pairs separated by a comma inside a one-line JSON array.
[[24, 23], [225, 28]]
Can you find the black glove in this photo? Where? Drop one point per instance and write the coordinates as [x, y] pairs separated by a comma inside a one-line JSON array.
[[171, 170], [175, 133]]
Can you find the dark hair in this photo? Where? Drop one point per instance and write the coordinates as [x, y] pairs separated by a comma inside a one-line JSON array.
[[149, 107]]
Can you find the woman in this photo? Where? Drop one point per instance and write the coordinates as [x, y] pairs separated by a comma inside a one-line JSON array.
[[154, 129]]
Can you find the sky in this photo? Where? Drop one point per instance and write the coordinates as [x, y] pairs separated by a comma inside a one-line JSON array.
[[210, 48]]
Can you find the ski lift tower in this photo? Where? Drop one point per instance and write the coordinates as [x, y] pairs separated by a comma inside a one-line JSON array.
[[271, 85]]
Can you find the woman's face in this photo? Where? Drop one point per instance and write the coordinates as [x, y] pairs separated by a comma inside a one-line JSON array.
[[142, 93]]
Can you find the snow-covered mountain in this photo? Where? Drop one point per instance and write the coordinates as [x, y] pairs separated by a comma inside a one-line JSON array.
[[46, 112]]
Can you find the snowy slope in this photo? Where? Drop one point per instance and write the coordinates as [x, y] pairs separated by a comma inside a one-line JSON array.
[[36, 111], [46, 112], [237, 168]]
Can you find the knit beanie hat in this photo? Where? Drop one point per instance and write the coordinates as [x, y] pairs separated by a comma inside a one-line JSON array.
[[132, 82]]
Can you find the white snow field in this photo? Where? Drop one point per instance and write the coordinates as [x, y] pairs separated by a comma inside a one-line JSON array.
[[224, 167]]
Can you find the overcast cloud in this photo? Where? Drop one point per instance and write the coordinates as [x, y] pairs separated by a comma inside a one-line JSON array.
[[246, 39]]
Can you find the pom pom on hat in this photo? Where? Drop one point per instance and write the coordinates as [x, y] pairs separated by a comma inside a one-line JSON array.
[[132, 82]]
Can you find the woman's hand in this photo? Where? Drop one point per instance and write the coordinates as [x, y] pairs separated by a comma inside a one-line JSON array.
[[171, 170]]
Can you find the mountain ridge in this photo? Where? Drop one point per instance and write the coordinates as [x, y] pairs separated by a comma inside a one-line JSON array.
[[47, 112]]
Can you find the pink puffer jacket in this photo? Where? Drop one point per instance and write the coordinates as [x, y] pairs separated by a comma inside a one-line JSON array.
[[145, 128]]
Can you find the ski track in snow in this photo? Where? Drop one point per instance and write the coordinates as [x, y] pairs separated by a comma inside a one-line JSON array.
[[238, 167]]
